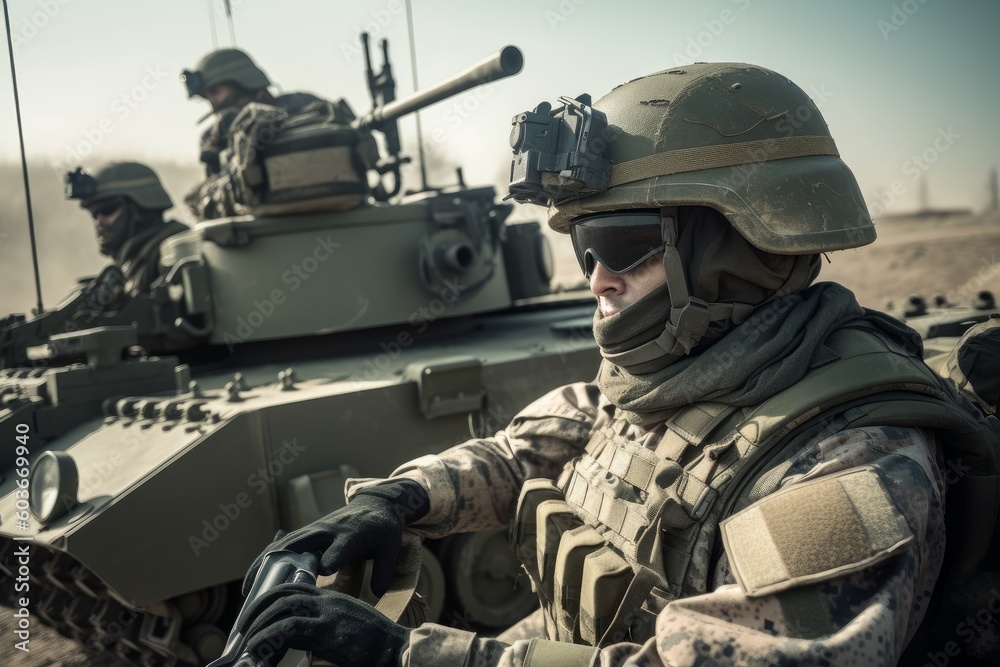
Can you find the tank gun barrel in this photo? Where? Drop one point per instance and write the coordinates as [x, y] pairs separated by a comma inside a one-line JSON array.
[[505, 62]]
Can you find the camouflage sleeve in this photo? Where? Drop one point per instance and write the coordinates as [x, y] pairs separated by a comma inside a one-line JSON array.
[[213, 198], [475, 485], [215, 139], [862, 618]]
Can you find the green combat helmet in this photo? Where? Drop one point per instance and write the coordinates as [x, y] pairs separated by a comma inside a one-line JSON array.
[[129, 186], [131, 180], [737, 138], [224, 66]]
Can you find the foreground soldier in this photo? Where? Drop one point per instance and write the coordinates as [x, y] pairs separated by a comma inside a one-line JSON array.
[[127, 203], [752, 479]]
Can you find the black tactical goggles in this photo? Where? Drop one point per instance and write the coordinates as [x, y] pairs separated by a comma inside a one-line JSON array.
[[619, 241], [105, 208], [80, 184]]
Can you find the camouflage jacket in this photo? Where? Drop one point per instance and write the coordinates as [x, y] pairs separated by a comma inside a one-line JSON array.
[[861, 618], [139, 257]]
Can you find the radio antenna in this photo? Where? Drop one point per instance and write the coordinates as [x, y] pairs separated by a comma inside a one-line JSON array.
[[416, 86], [211, 25], [24, 159], [229, 18]]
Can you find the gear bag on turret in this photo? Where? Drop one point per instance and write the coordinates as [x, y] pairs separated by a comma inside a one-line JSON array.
[[276, 163]]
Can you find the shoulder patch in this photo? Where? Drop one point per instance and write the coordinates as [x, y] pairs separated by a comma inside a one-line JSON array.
[[814, 531]]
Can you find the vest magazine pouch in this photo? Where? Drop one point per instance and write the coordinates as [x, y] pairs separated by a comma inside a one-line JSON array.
[[554, 518], [574, 547], [524, 531], [606, 579], [319, 167]]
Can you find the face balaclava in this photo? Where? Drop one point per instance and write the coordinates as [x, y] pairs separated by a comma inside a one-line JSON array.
[[719, 267], [765, 324], [132, 221]]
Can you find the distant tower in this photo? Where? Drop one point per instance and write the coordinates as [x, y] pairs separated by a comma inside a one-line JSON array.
[[923, 193], [994, 204]]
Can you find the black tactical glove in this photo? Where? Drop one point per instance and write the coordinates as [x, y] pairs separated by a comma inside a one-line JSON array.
[[370, 527], [334, 626], [211, 161]]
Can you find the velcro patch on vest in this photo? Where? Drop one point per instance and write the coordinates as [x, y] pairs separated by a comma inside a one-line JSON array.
[[813, 532], [545, 653]]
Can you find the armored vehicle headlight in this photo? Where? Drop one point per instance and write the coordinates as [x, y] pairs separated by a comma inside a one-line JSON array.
[[53, 485]]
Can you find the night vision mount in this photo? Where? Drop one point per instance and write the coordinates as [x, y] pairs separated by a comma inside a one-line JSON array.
[[557, 154], [194, 81], [80, 185]]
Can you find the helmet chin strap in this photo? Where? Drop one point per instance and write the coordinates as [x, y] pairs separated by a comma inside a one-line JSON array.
[[689, 316]]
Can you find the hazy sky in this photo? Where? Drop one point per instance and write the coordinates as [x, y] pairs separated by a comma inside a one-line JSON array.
[[907, 86]]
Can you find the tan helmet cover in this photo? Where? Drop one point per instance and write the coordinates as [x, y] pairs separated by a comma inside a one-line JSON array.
[[132, 180], [231, 66], [738, 138]]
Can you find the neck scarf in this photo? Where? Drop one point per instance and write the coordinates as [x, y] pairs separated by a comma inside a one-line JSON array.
[[768, 352]]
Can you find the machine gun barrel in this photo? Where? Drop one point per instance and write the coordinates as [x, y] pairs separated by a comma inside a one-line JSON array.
[[505, 62]]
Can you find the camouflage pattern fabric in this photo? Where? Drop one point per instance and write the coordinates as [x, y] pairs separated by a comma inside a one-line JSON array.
[[215, 139], [139, 257], [236, 138], [864, 618]]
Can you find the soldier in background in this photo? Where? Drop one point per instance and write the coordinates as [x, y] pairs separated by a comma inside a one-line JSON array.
[[231, 81], [756, 475], [127, 203]]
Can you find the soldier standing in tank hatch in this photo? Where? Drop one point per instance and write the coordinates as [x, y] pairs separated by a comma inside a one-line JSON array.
[[127, 201], [229, 80], [755, 476]]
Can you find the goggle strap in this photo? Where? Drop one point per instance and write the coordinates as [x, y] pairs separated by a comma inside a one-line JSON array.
[[689, 316]]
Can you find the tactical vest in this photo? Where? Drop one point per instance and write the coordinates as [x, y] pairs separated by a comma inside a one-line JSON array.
[[627, 528], [141, 267]]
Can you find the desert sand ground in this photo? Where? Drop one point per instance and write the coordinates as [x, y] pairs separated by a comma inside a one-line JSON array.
[[955, 257]]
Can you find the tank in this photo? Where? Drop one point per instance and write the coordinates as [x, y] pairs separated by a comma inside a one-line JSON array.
[[151, 453], [942, 323]]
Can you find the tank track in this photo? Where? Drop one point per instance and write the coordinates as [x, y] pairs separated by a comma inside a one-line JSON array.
[[65, 596]]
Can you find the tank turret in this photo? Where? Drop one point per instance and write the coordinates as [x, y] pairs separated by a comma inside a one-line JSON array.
[[161, 445]]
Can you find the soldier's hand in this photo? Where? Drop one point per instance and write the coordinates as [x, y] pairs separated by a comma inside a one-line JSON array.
[[211, 161], [334, 626], [370, 527]]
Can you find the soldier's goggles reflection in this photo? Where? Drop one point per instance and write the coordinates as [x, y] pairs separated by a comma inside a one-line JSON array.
[[619, 241]]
